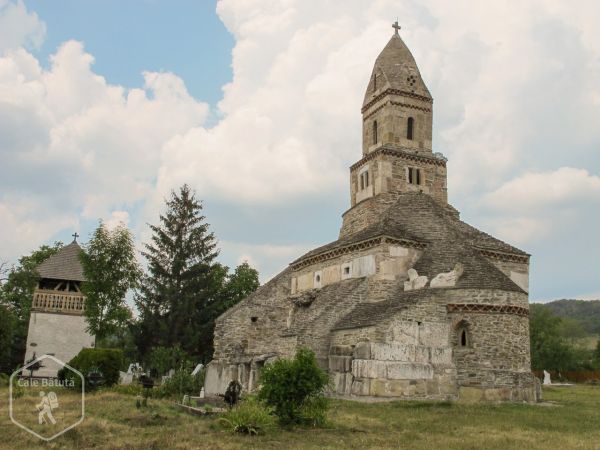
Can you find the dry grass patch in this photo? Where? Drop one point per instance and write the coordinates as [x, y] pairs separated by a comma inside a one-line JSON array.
[[113, 422]]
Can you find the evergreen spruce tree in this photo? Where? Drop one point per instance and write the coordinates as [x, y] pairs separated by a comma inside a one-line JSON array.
[[183, 282]]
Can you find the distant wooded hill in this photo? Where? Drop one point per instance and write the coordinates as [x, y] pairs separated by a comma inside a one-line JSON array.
[[586, 312]]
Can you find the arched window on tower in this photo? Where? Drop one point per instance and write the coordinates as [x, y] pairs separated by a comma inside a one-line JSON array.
[[375, 132], [410, 124], [463, 339]]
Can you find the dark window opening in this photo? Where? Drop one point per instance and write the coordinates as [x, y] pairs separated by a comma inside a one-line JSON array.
[[374, 81], [463, 338], [375, 132], [364, 180], [347, 270], [414, 175], [318, 278], [253, 319], [409, 128]]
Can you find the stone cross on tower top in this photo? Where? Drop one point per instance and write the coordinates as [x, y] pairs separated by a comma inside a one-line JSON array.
[[75, 236], [396, 27]]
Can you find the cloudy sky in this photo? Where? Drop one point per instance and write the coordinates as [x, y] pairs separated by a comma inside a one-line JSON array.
[[105, 106]]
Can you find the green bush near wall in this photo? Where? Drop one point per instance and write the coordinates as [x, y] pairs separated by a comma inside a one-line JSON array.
[[107, 361]]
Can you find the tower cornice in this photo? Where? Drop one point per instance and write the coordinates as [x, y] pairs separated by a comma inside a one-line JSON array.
[[406, 155], [391, 91]]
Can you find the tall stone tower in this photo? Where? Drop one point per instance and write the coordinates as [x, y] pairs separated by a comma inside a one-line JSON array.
[[397, 156], [57, 326]]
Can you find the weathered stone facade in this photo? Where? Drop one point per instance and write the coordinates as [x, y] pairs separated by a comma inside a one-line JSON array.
[[409, 302]]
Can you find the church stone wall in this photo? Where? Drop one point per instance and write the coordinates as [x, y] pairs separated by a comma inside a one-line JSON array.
[[365, 213], [518, 272], [247, 329], [392, 113], [417, 353], [386, 262], [390, 174]]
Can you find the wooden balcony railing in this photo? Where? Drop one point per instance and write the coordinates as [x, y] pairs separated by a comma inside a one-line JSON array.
[[58, 301]]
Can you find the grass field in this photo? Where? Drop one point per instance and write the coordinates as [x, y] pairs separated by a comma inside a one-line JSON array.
[[569, 418]]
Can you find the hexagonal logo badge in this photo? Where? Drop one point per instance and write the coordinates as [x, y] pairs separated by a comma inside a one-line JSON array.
[[45, 406]]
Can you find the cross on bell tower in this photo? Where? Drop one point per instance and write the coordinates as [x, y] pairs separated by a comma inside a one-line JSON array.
[[396, 27], [75, 236]]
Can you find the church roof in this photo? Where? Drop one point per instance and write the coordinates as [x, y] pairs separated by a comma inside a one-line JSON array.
[[417, 218], [396, 68], [65, 265]]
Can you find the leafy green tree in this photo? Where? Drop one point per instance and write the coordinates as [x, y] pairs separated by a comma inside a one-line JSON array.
[[16, 292], [17, 289], [241, 283], [549, 350], [111, 270], [183, 280], [571, 329], [597, 354], [8, 325], [162, 359], [294, 388]]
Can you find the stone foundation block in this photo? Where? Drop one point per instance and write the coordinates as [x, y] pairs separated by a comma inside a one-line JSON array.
[[432, 387], [441, 356], [362, 350], [360, 387], [368, 368], [470, 394], [342, 383], [408, 371], [341, 350], [340, 363], [389, 388]]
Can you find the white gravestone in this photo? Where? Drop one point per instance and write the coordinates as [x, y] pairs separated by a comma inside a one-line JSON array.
[[547, 378], [197, 369]]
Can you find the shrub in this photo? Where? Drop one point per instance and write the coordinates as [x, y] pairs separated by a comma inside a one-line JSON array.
[[182, 383], [107, 361], [4, 379], [294, 388], [162, 359], [248, 417]]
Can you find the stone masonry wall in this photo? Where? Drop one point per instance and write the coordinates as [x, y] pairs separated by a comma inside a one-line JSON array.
[[417, 353], [389, 173], [385, 262], [392, 113], [365, 213]]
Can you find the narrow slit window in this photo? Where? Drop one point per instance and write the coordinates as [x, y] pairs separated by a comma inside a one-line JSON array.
[[409, 128], [374, 81], [364, 180], [414, 176], [463, 338], [375, 132]]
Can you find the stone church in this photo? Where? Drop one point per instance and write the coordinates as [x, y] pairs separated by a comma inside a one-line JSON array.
[[410, 301]]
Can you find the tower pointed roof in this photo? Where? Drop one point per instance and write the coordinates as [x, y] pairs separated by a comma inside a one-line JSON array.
[[396, 68], [65, 265]]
